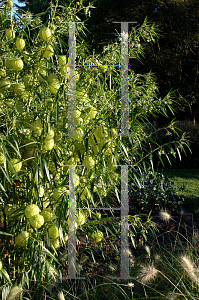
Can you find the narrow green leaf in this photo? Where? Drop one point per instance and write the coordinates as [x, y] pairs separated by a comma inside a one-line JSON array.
[[57, 112], [47, 170], [6, 174], [5, 233], [124, 148], [5, 274], [45, 250], [179, 153]]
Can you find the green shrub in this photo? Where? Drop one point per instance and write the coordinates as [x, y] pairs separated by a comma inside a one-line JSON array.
[[36, 148], [151, 190]]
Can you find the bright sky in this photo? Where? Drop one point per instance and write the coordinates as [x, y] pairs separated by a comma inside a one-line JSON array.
[[16, 2]]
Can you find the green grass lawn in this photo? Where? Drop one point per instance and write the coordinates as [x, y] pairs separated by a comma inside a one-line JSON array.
[[188, 179]]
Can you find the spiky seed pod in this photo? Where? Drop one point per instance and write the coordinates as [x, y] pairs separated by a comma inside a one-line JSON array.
[[10, 3], [37, 221], [48, 214], [31, 210], [10, 34], [22, 239], [53, 232], [17, 64], [20, 43], [17, 165], [45, 34]]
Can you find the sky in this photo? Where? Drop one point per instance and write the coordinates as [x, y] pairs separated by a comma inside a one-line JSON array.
[[16, 2]]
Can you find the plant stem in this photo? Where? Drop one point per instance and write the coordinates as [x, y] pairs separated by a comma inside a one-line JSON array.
[[172, 284]]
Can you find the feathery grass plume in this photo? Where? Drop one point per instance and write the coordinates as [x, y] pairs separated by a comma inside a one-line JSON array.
[[195, 238], [60, 295], [79, 268], [148, 251], [130, 284], [112, 267], [190, 268], [52, 273], [132, 262], [148, 273], [173, 296], [164, 216], [157, 258], [182, 211], [130, 253], [15, 292], [131, 258]]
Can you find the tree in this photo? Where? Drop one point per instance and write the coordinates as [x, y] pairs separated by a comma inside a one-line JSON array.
[[36, 6], [173, 57]]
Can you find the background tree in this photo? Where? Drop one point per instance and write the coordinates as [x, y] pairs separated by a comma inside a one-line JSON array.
[[173, 58], [36, 6]]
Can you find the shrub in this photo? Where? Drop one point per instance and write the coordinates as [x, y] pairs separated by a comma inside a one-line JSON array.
[[36, 149], [150, 190]]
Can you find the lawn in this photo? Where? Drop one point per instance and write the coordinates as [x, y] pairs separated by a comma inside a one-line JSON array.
[[186, 182]]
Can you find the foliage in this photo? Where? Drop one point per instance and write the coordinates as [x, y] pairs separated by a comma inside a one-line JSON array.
[[166, 268], [173, 58], [37, 151], [188, 160], [150, 190]]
